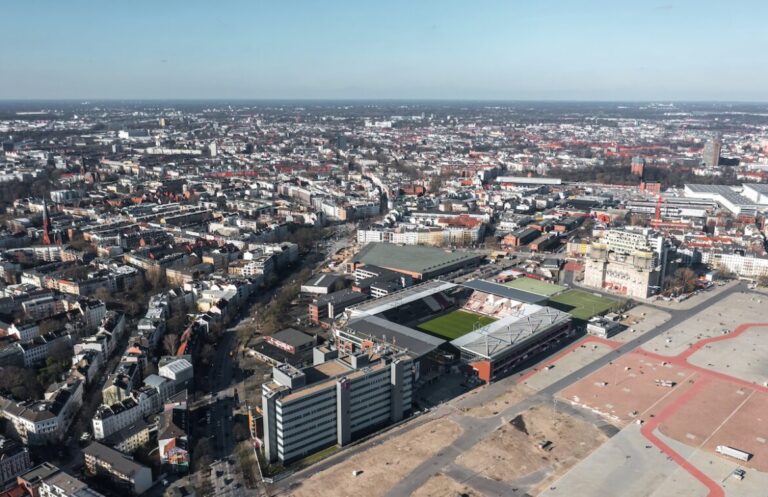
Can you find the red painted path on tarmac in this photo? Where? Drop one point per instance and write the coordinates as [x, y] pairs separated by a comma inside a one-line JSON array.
[[704, 376]]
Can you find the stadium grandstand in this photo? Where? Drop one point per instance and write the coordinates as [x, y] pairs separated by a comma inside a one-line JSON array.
[[489, 328]]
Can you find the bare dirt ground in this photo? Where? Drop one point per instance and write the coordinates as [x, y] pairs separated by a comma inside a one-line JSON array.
[[444, 486], [513, 450], [513, 394], [627, 466], [383, 465]]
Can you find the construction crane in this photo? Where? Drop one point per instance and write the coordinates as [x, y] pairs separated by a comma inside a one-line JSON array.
[[659, 201], [46, 225]]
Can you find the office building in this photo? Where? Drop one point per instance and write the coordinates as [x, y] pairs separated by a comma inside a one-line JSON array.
[[334, 402]]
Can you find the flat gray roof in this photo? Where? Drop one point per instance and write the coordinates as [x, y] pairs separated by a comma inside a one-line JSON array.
[[398, 335], [511, 332], [411, 258], [400, 297], [505, 291]]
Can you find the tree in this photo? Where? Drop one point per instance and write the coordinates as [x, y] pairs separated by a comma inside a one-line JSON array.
[[683, 281], [60, 351], [21, 383], [171, 343], [202, 455]]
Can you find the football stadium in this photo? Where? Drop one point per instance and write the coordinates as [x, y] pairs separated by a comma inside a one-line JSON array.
[[485, 327]]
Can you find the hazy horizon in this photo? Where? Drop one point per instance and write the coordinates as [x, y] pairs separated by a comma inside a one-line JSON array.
[[596, 50]]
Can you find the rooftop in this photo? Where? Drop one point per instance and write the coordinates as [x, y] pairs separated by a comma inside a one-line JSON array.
[[511, 331], [505, 291], [398, 335], [411, 258], [401, 297], [118, 461], [293, 337]]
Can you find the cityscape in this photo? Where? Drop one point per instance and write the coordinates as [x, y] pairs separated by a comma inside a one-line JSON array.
[[354, 289]]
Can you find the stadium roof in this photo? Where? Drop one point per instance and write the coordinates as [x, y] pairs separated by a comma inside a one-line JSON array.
[[411, 258], [510, 332], [505, 291], [399, 298], [400, 336]]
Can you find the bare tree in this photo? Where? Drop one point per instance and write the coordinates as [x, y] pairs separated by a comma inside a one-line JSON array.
[[171, 343]]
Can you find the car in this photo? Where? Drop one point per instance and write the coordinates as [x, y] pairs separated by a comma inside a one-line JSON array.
[[739, 474]]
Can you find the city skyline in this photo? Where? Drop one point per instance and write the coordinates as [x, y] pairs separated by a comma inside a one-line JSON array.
[[594, 51]]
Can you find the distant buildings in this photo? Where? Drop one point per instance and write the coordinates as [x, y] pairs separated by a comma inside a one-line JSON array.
[[710, 156]]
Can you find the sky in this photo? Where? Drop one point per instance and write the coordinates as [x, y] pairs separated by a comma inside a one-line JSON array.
[[385, 49]]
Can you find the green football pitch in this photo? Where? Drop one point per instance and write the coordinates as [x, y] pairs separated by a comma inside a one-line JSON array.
[[582, 305], [454, 324], [535, 286]]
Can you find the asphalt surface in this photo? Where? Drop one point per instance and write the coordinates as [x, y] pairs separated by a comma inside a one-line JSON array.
[[225, 479], [476, 429]]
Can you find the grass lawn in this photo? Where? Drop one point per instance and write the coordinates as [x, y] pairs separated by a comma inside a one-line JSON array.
[[581, 304], [535, 286], [313, 458], [454, 324]]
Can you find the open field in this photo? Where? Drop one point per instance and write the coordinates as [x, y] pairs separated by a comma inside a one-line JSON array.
[[441, 485], [717, 399], [641, 320], [581, 304], [718, 415], [382, 465], [513, 451], [535, 286], [454, 324]]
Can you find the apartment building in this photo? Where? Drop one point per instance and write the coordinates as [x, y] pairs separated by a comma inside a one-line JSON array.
[[14, 460], [121, 470], [46, 480], [45, 421]]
